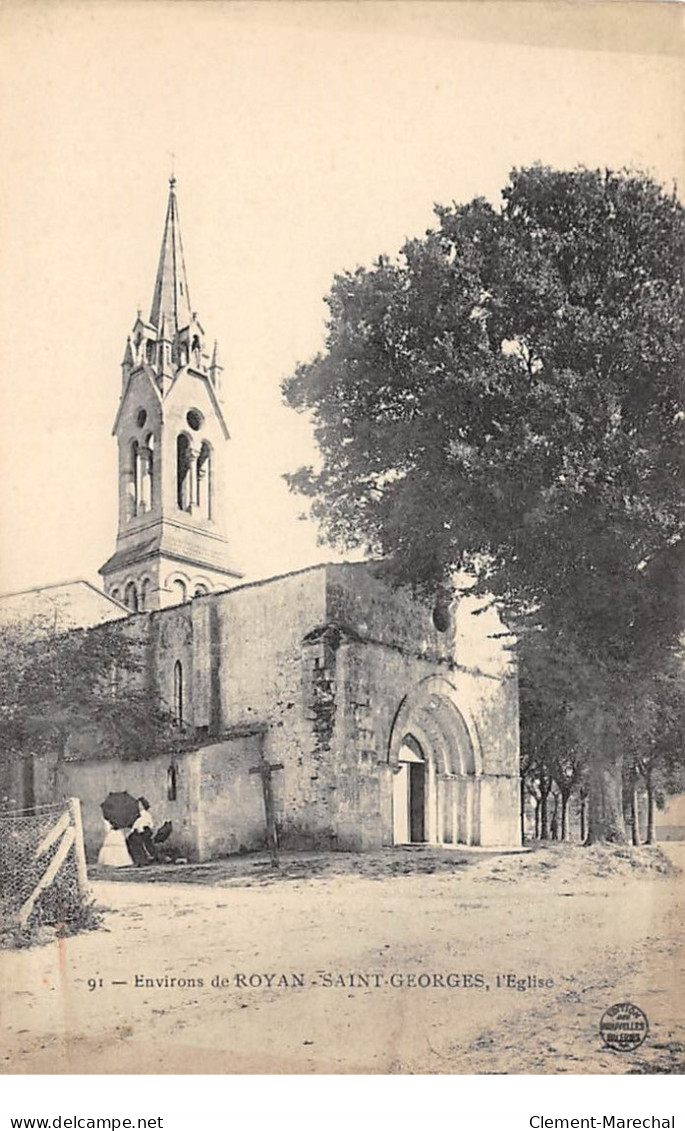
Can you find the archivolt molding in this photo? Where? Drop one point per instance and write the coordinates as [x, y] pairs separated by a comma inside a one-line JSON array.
[[177, 575], [431, 712]]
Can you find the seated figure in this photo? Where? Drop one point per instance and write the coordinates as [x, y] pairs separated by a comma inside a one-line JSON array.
[[139, 840]]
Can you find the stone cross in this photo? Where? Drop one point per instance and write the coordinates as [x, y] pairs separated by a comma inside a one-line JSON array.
[[265, 770]]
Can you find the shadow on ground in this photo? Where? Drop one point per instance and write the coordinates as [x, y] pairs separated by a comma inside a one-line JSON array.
[[495, 865]]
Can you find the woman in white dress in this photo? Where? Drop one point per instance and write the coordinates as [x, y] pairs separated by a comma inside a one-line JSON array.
[[114, 852]]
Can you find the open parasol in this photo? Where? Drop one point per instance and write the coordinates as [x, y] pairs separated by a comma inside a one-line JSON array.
[[120, 809]]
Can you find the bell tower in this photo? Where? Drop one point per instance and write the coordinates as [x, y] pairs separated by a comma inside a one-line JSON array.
[[172, 436]]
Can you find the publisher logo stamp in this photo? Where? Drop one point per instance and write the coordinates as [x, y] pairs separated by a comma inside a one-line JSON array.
[[623, 1027]]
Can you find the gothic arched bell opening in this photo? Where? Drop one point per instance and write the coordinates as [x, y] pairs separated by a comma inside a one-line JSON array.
[[184, 461], [204, 481]]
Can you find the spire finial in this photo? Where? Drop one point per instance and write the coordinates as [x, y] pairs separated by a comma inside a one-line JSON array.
[[170, 296], [172, 178]]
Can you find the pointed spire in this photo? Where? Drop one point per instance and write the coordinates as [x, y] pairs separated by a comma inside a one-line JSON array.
[[215, 368], [164, 350], [170, 299], [127, 362]]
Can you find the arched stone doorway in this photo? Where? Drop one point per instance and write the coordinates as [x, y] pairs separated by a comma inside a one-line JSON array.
[[435, 759], [409, 794]]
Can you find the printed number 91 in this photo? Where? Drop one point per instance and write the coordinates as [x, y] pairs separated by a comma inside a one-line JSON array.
[[94, 983]]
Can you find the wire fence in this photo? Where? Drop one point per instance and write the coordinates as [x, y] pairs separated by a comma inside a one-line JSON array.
[[42, 865]]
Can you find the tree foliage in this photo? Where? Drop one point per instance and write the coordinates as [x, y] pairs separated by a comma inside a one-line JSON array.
[[76, 692], [560, 694], [506, 398]]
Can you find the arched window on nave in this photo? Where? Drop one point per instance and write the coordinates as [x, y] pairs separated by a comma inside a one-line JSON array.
[[178, 692]]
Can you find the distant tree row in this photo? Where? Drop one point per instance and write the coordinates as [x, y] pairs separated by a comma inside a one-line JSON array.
[[555, 760]]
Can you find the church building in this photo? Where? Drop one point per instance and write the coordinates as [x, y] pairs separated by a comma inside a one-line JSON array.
[[372, 719]]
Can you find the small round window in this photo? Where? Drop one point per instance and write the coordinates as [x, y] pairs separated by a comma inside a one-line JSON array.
[[195, 420], [141, 417]]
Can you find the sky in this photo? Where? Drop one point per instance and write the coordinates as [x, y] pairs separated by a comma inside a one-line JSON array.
[[308, 139]]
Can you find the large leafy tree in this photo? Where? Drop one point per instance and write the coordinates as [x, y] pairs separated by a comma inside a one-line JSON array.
[[77, 692], [506, 398]]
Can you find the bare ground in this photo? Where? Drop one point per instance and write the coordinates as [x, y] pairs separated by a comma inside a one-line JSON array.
[[605, 925]]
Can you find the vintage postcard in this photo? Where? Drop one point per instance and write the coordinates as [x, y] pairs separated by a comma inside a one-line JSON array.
[[283, 789]]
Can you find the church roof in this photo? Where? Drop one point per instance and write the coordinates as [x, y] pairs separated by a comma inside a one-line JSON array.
[[60, 607], [130, 556], [171, 300], [163, 544]]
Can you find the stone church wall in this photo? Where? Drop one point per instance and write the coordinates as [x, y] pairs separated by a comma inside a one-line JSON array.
[[392, 646], [260, 678], [231, 802], [218, 808], [93, 780], [309, 671], [244, 660], [366, 606], [371, 684], [370, 679]]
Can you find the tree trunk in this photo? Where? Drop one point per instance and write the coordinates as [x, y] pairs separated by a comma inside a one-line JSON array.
[[28, 783], [605, 787], [564, 814], [554, 823], [544, 816], [522, 811], [650, 807], [634, 813], [583, 829], [537, 818]]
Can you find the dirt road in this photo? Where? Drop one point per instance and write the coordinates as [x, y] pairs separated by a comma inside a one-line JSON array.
[[504, 964]]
